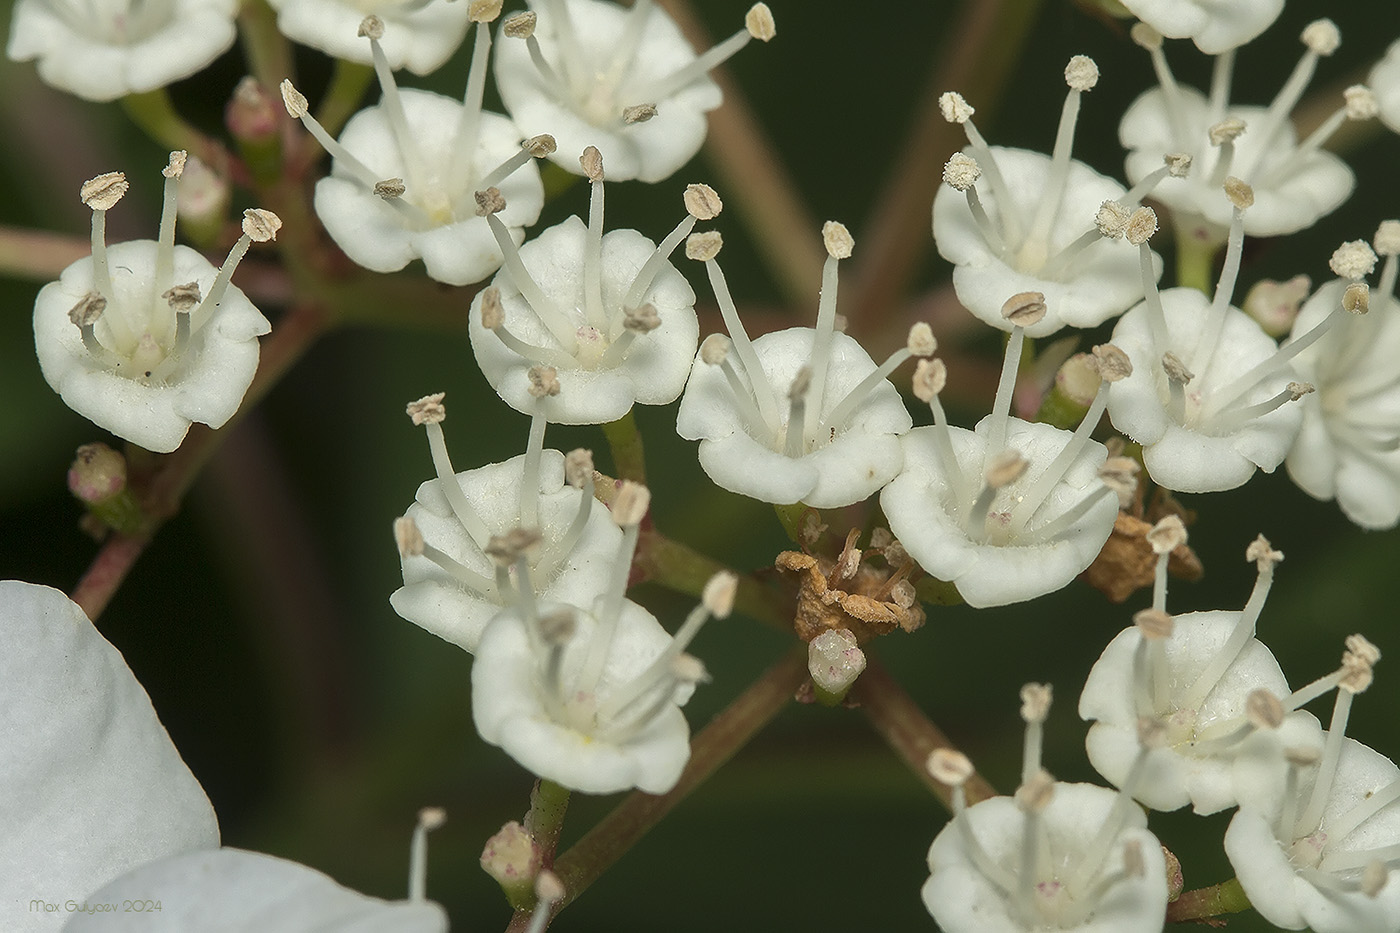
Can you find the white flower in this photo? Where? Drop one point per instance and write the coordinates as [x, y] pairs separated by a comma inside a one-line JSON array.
[[607, 314], [1214, 25], [624, 81], [800, 415], [1295, 183], [451, 587], [108, 50], [1038, 226], [235, 891], [421, 34], [1349, 445], [1056, 856], [1011, 510], [412, 177], [1385, 80], [591, 699], [1210, 683], [93, 785], [1209, 392], [1325, 853], [146, 337]]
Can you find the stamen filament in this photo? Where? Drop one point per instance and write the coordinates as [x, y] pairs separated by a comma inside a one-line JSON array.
[[1061, 260], [1204, 351], [625, 53], [659, 669], [545, 309], [647, 273], [1315, 141], [990, 869], [220, 285], [1327, 769], [616, 350], [559, 551], [574, 70], [608, 612], [1156, 317], [1066, 520], [943, 443], [1347, 861], [1006, 209], [530, 473], [821, 352], [1239, 637], [748, 358], [1171, 92], [1343, 825], [463, 575], [451, 489], [1098, 849], [1234, 418], [687, 73], [984, 223], [1054, 191], [547, 73], [1006, 387], [593, 260], [469, 123], [165, 251], [1046, 482], [851, 401], [503, 171], [549, 356], [1243, 383], [757, 426], [1221, 77], [1305, 695], [1283, 104], [392, 104]]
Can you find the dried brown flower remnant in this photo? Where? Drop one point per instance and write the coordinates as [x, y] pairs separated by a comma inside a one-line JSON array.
[[846, 592], [1127, 562]]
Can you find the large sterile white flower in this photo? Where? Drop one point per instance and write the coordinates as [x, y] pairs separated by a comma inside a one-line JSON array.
[[594, 73], [1210, 392], [1324, 855], [1200, 674], [800, 415], [93, 785], [145, 337], [1349, 445], [102, 51], [1011, 510], [1385, 81], [421, 35], [608, 314], [235, 891], [590, 697], [1037, 225], [451, 587], [1295, 182], [1214, 25], [411, 177]]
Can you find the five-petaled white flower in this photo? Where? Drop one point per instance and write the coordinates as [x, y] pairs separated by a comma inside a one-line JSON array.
[[102, 51], [1215, 26], [145, 337], [421, 34], [626, 81]]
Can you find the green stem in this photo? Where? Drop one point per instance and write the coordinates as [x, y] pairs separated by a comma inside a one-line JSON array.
[[790, 517], [937, 592], [268, 52], [728, 732], [629, 456], [155, 114], [37, 255], [548, 804], [1228, 897], [345, 94], [678, 567], [910, 733]]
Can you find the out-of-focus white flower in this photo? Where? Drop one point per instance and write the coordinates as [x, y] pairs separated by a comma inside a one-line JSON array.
[[623, 80], [1209, 392], [608, 315], [1011, 510], [1316, 842], [1044, 223], [1205, 677], [93, 785], [145, 337], [452, 587], [1214, 25], [590, 698], [1055, 856], [108, 50], [1385, 81], [800, 415], [421, 34], [1349, 445], [1295, 182], [413, 177]]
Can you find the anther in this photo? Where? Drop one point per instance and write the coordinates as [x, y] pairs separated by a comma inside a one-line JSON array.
[[493, 313], [592, 163], [428, 409], [1226, 131], [1387, 239], [641, 320], [1153, 624], [1175, 369], [1263, 710], [541, 145], [1112, 219], [1035, 702], [407, 536], [1141, 226], [930, 376], [1113, 363], [638, 113], [949, 766], [182, 298], [961, 171], [578, 467], [1081, 74], [702, 202], [921, 341], [390, 188], [1241, 195], [1262, 554], [955, 108], [489, 202], [520, 25], [1322, 36], [837, 239], [1035, 795], [371, 27], [630, 504], [759, 22], [1005, 468], [715, 349], [104, 191], [1361, 103], [295, 101], [1168, 535], [1024, 309], [88, 310], [484, 11], [1353, 260], [176, 166], [704, 246], [718, 595], [1357, 298], [1146, 36], [544, 381], [1178, 164]]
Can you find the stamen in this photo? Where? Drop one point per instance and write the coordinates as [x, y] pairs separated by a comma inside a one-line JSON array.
[[536, 147], [961, 173], [1297, 758], [1221, 77], [1035, 707], [1322, 38], [953, 769], [1266, 558], [1151, 40], [1031, 798], [930, 376], [1003, 469], [1068, 518], [572, 68], [715, 352], [429, 819], [1241, 197], [259, 226], [430, 413], [411, 544], [1113, 365], [1024, 309], [1081, 74], [1151, 676], [299, 109], [1178, 376], [1359, 105], [1166, 536], [839, 245], [702, 203], [1110, 221], [469, 122], [629, 507], [1223, 136], [956, 109], [1344, 825], [705, 246], [530, 472], [1354, 681], [372, 28], [920, 343], [1175, 164], [544, 307], [578, 473], [758, 24], [1151, 735], [592, 164], [101, 194], [1139, 232], [1234, 418], [625, 52], [165, 252], [522, 26]]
